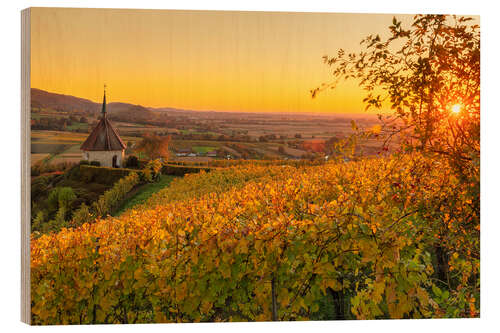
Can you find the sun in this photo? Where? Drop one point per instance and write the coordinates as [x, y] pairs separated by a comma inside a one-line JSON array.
[[456, 108]]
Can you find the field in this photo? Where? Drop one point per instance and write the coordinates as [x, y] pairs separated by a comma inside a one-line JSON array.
[[258, 124], [231, 135], [80, 126], [202, 149]]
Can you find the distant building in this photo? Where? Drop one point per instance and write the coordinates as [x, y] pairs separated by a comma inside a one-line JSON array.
[[104, 144]]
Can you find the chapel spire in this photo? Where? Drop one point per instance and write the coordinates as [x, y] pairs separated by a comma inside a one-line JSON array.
[[104, 103]]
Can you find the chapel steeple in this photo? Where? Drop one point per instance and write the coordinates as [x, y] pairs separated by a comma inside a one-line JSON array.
[[104, 103], [104, 137]]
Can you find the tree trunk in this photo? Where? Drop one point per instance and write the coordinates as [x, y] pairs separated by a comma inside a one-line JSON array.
[[274, 301], [442, 264], [338, 304]]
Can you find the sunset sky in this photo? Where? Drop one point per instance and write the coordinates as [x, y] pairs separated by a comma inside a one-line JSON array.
[[200, 60]]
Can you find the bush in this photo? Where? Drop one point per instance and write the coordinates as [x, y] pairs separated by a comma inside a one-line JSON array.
[[39, 187], [151, 171], [60, 197], [142, 163], [132, 162], [82, 215], [181, 170], [95, 163], [38, 221], [84, 162], [102, 175]]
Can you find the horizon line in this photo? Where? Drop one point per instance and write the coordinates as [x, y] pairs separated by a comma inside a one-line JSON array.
[[178, 109]]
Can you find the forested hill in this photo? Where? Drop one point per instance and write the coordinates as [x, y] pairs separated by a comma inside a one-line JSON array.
[[59, 102], [67, 103]]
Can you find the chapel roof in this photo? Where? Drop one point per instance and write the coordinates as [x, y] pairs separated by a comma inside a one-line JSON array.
[[104, 137]]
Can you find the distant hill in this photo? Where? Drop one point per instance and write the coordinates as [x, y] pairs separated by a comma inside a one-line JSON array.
[[60, 102], [168, 109], [67, 103], [130, 112]]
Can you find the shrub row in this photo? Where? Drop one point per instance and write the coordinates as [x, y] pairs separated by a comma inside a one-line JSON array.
[[230, 163], [102, 175], [219, 180], [107, 201], [43, 167], [111, 198], [181, 170]]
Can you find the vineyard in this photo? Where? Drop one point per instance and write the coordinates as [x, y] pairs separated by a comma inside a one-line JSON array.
[[394, 237]]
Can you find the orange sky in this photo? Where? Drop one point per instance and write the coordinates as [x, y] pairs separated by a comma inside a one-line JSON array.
[[202, 60]]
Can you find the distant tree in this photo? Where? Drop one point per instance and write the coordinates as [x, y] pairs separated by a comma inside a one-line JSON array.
[[84, 120], [154, 146]]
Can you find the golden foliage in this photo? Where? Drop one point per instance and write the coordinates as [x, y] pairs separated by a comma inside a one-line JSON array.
[[154, 146], [207, 248]]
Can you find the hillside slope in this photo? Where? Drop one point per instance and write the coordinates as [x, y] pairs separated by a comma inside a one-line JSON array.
[[67, 103], [60, 102], [362, 234]]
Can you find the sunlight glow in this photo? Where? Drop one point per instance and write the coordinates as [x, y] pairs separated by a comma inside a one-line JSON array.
[[456, 108]]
